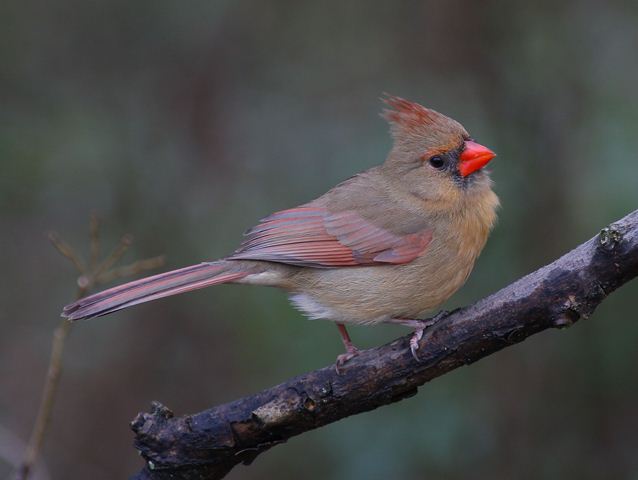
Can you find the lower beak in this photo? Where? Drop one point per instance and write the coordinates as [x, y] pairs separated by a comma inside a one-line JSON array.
[[474, 157]]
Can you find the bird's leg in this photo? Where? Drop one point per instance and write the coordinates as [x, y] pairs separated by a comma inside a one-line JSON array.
[[351, 350], [419, 326]]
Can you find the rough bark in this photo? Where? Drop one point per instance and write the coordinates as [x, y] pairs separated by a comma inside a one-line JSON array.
[[207, 445]]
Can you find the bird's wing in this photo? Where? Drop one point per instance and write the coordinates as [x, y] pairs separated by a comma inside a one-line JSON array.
[[312, 236]]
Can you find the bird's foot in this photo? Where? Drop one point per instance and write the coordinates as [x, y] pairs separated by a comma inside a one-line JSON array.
[[414, 342], [418, 332], [351, 350], [350, 353], [419, 327]]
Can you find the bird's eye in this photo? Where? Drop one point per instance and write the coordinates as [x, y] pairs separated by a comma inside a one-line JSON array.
[[437, 161]]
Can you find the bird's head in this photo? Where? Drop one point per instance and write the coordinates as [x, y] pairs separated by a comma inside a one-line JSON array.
[[433, 156]]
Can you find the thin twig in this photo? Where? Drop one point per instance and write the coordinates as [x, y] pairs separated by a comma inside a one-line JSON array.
[[114, 256], [132, 269], [97, 273], [48, 397], [52, 379], [12, 450], [67, 251]]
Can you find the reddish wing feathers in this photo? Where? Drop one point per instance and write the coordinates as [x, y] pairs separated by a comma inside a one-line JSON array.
[[297, 236], [311, 236], [411, 247]]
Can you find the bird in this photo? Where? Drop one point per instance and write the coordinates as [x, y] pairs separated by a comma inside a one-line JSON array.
[[387, 245]]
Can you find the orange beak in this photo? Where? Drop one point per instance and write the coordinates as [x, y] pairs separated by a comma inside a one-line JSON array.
[[474, 157]]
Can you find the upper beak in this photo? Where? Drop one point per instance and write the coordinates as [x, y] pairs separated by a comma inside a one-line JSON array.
[[474, 157]]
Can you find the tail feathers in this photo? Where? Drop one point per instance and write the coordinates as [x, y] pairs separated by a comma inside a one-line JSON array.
[[151, 288]]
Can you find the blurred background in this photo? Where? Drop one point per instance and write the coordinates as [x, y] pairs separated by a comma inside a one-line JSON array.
[[183, 123]]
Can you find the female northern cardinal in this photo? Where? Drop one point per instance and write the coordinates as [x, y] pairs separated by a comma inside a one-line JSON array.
[[386, 245]]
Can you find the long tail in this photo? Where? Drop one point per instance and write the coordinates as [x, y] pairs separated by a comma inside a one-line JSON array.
[[152, 288]]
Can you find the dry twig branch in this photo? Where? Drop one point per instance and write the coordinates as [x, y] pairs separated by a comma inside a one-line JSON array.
[[90, 274], [207, 445]]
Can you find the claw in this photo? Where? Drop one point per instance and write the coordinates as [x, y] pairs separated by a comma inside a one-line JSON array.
[[418, 331], [414, 342], [344, 357]]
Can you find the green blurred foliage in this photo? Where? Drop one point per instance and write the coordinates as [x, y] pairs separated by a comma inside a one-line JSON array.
[[184, 123]]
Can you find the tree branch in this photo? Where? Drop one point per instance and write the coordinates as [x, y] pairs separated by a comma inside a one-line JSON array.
[[207, 445], [90, 273]]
